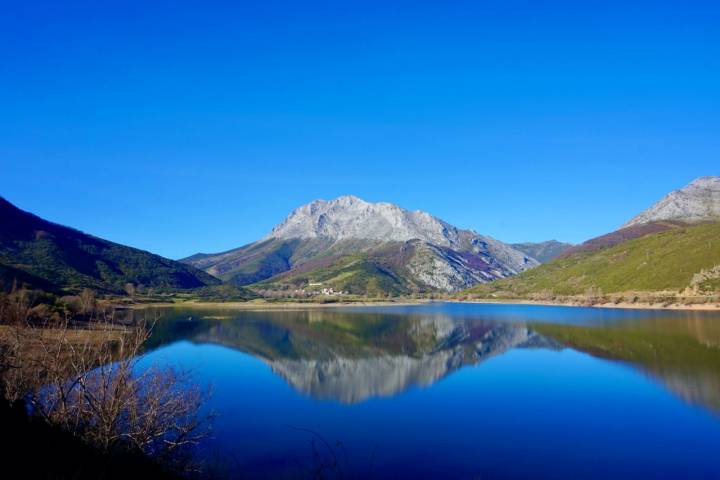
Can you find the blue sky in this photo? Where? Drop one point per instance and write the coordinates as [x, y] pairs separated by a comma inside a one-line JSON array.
[[180, 127]]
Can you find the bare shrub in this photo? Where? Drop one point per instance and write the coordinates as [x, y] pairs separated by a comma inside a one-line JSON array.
[[87, 301], [15, 306], [90, 382], [130, 290]]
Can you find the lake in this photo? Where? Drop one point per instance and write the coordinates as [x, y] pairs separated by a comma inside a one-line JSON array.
[[466, 391]]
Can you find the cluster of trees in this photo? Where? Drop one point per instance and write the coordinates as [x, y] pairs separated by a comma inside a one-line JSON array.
[[23, 305]]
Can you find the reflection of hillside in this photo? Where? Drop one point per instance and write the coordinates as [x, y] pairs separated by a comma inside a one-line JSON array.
[[698, 388], [352, 380], [683, 354], [350, 358], [347, 359], [354, 356]]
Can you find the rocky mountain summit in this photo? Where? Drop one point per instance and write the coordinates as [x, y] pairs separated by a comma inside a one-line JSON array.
[[349, 217], [696, 202], [361, 247]]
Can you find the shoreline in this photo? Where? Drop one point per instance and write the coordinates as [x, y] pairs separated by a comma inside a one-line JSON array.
[[279, 306], [711, 307], [260, 306]]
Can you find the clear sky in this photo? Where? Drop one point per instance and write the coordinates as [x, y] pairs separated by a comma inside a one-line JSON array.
[[180, 127]]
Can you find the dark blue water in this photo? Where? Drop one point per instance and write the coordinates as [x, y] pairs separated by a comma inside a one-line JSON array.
[[455, 391]]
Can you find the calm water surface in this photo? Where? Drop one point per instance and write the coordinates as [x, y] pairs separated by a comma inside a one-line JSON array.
[[455, 391]]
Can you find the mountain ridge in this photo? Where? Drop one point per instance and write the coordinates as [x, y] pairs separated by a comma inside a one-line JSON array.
[[543, 252], [671, 247], [50, 256], [697, 201]]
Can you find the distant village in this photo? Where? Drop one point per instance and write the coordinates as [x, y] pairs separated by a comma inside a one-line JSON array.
[[316, 288]]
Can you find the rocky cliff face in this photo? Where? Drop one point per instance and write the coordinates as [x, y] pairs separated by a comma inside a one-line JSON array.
[[410, 250], [696, 202]]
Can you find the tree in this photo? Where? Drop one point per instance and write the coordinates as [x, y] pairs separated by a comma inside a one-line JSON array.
[[87, 301], [15, 306], [130, 290]]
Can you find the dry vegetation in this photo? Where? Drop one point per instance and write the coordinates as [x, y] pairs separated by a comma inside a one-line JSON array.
[[596, 297], [77, 369]]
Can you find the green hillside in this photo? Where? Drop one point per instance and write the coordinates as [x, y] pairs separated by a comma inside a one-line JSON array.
[[265, 259], [354, 266], [269, 259], [48, 256], [362, 274], [664, 261]]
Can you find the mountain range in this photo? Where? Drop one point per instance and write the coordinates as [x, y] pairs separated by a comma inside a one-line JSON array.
[[359, 247], [377, 249]]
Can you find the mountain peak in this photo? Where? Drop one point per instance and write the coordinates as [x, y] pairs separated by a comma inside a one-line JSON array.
[[347, 200], [696, 202], [350, 217], [362, 247], [708, 180]]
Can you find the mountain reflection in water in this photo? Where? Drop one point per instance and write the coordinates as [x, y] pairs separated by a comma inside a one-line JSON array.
[[350, 355]]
